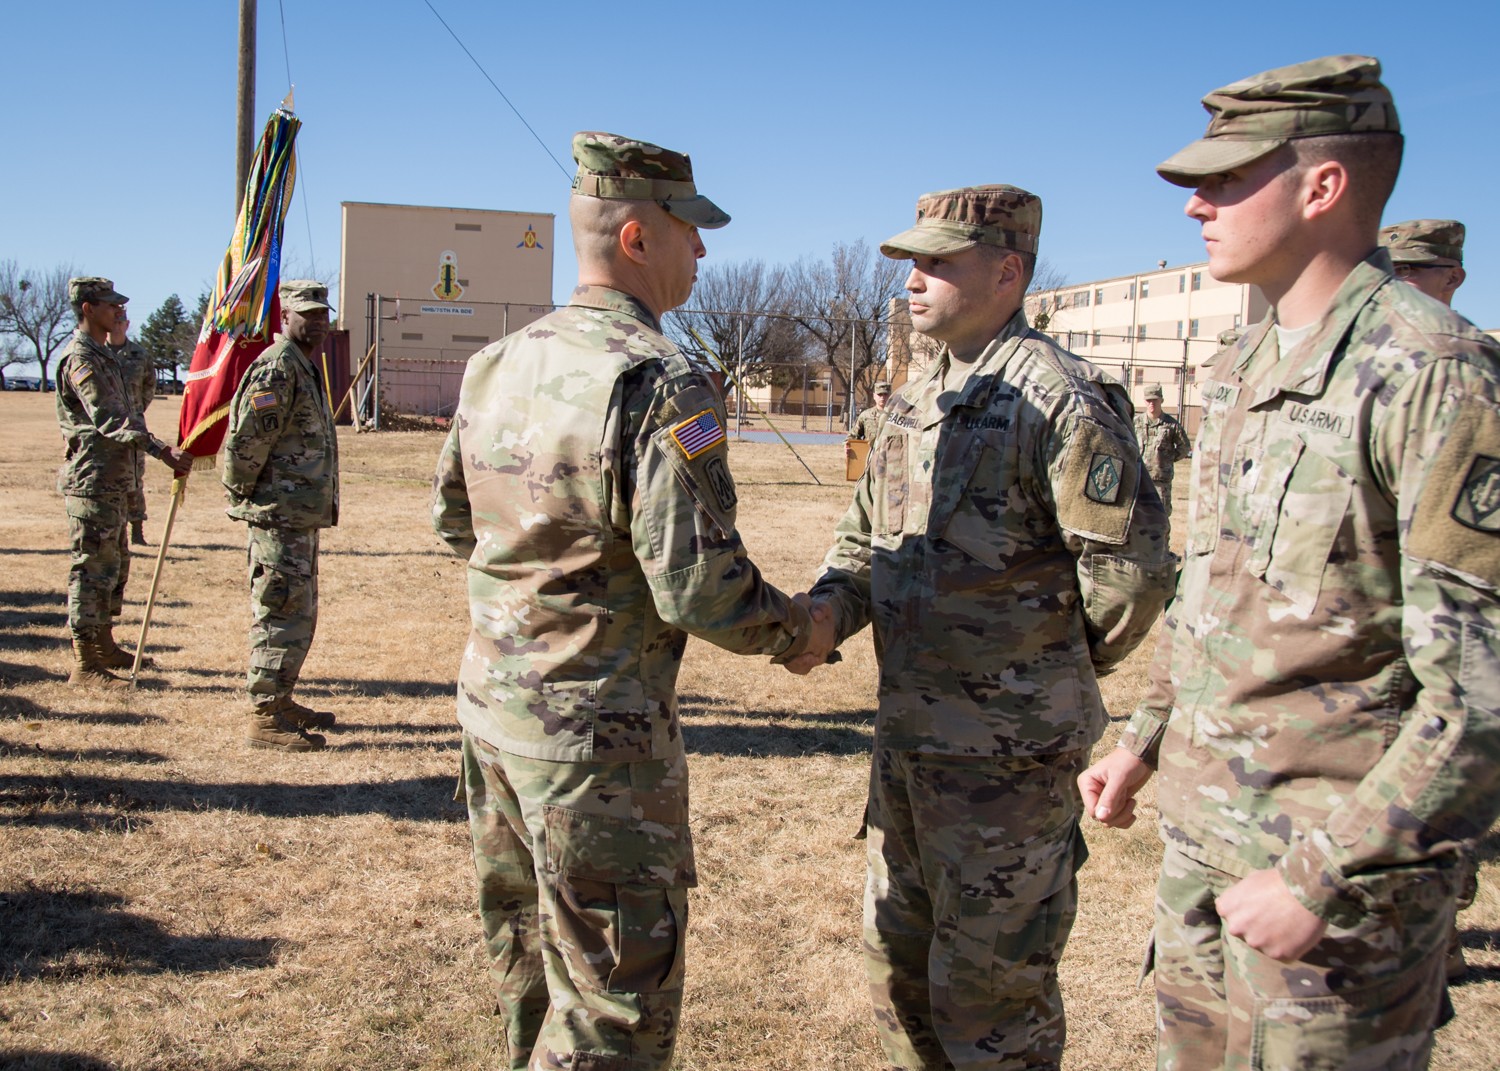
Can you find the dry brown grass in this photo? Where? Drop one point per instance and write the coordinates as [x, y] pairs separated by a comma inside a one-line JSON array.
[[169, 899]]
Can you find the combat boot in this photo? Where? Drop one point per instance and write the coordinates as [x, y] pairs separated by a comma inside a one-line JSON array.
[[271, 728], [138, 533], [305, 717], [115, 656], [89, 665]]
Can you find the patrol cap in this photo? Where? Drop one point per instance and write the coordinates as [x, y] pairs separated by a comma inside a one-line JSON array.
[[882, 387], [1425, 241], [1153, 390], [623, 169], [94, 289], [1257, 115], [950, 221], [303, 295]]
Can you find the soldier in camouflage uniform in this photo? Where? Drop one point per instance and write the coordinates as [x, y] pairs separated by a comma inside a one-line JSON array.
[[1008, 548], [868, 425], [586, 482], [139, 373], [102, 431], [1428, 254], [1324, 708], [280, 464], [1163, 443]]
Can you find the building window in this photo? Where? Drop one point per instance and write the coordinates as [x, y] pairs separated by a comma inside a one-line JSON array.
[[1140, 332], [467, 227], [1081, 299], [1099, 296], [1193, 329], [1096, 338], [1140, 376], [411, 336], [1182, 284], [1179, 328], [1145, 288], [1197, 280], [1192, 375], [1130, 292], [481, 340], [1237, 320], [1042, 304]]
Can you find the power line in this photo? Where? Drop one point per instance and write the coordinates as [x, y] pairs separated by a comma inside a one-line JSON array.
[[286, 55], [497, 89]]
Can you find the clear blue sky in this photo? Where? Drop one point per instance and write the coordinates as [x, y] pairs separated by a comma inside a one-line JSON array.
[[810, 123]]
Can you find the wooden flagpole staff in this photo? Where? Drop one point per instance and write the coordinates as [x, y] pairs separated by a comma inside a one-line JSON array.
[[179, 485]]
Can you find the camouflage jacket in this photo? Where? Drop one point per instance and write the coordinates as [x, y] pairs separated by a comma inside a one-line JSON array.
[[138, 371], [586, 480], [867, 425], [1326, 693], [280, 459], [101, 429], [1163, 443], [1008, 546]]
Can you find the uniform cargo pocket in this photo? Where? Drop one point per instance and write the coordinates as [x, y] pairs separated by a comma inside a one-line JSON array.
[[1309, 501]]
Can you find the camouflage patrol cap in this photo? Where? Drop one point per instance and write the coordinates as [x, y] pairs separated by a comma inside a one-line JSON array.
[[94, 289], [950, 221], [1425, 241], [1153, 390], [1257, 115], [303, 295], [882, 387], [623, 169]]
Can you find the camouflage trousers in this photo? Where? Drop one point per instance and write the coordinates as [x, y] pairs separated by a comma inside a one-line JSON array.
[[99, 563], [283, 608], [1164, 489], [136, 500], [584, 870], [1364, 999], [970, 899]]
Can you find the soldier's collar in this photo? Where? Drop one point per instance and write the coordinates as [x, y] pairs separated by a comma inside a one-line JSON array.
[[592, 296]]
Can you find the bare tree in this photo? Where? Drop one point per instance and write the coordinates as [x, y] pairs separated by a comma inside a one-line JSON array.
[[840, 304], [10, 353], [34, 308], [739, 309], [1047, 276]]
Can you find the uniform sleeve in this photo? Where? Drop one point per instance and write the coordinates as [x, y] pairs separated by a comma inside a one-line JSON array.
[[452, 517], [257, 417], [107, 408], [1181, 446], [682, 504], [148, 378], [845, 581], [1111, 520], [1438, 455]]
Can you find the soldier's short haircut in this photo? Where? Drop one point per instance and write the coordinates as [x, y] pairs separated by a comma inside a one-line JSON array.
[[1373, 160], [1028, 261], [596, 226]]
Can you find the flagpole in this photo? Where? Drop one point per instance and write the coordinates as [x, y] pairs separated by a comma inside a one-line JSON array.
[[352, 384], [179, 485]]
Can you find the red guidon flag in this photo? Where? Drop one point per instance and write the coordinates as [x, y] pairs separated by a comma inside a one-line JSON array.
[[244, 311]]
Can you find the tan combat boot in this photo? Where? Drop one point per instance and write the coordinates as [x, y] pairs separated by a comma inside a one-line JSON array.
[[271, 728], [137, 533], [89, 665], [305, 717], [116, 657]]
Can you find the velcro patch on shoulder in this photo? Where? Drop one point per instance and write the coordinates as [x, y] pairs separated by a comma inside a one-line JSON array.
[[264, 400], [1095, 491], [81, 374], [698, 433], [1456, 521]]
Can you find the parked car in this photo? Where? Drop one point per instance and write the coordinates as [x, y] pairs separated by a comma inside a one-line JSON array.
[[23, 383]]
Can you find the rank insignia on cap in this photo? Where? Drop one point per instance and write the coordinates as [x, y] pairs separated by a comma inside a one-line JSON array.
[[1104, 479], [264, 400], [1478, 502], [699, 433]]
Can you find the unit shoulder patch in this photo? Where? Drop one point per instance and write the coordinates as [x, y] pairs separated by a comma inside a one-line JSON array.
[[1456, 518], [1103, 484], [1094, 483]]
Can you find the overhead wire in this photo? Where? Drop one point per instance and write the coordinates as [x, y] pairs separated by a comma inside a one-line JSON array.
[[286, 55]]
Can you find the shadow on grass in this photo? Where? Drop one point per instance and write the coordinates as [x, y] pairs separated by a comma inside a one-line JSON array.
[[773, 733], [63, 933], [13, 673], [93, 802], [41, 1060]]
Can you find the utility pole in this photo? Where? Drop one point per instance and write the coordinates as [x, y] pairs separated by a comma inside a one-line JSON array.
[[244, 143]]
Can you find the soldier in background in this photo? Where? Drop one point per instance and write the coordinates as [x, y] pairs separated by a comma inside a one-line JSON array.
[[1428, 254], [1007, 548], [1163, 443], [102, 431], [139, 373], [868, 425], [280, 464], [1324, 707], [586, 482]]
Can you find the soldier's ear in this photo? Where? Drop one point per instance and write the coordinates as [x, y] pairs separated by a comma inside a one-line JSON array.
[[632, 241]]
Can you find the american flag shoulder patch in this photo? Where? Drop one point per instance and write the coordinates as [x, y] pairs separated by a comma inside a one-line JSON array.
[[698, 433], [81, 374], [263, 400]]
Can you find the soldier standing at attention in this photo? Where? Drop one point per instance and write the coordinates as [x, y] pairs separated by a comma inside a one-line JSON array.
[[1429, 255], [139, 373], [102, 432], [1324, 707], [281, 467], [1008, 548], [1163, 443], [586, 482], [868, 424]]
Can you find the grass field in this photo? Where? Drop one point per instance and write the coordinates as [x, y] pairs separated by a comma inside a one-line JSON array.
[[172, 899]]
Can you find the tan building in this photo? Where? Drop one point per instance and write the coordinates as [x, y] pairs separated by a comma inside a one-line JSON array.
[[448, 282], [1151, 327]]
